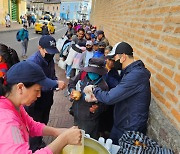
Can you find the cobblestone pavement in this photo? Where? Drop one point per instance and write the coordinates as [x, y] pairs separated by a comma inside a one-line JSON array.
[[59, 115]]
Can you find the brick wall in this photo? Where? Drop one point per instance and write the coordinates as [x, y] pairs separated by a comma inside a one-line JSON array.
[[152, 28], [3, 11]]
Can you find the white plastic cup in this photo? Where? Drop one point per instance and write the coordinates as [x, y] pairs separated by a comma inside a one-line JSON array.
[[87, 135], [108, 144], [101, 140]]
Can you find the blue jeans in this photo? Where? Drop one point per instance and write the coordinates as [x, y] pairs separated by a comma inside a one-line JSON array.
[[68, 70]]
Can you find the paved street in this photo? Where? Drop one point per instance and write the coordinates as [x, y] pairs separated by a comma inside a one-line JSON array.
[[9, 38], [59, 116]]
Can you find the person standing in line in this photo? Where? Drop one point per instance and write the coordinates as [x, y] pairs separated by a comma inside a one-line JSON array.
[[87, 115], [88, 54], [24, 36], [24, 82], [40, 110], [132, 95]]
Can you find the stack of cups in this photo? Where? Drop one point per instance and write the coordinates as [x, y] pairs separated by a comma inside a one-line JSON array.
[[101, 141], [108, 144]]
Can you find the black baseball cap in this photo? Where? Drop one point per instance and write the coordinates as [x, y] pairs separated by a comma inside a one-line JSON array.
[[120, 48], [27, 71], [49, 43], [100, 32]]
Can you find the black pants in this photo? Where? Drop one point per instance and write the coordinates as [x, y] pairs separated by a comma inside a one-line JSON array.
[[89, 126], [39, 111]]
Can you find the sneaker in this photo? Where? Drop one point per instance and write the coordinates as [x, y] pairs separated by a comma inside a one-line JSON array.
[[67, 77]]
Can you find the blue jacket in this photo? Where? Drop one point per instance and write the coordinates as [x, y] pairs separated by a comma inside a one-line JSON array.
[[112, 78], [98, 54], [131, 97], [48, 68]]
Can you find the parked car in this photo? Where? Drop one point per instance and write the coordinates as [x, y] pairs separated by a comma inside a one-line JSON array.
[[40, 23], [46, 17]]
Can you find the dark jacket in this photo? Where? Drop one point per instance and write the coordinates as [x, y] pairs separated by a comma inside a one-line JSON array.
[[112, 78], [48, 68], [81, 107], [131, 97], [45, 30]]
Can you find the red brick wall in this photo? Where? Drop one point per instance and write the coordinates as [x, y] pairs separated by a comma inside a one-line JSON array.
[[152, 28]]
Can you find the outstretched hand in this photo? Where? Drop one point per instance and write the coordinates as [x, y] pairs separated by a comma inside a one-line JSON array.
[[61, 85], [90, 97]]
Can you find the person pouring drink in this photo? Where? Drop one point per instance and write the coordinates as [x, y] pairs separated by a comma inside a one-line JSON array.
[[24, 82]]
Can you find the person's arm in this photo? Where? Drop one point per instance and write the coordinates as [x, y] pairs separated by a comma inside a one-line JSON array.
[[74, 47], [71, 136], [73, 81], [127, 87], [51, 131]]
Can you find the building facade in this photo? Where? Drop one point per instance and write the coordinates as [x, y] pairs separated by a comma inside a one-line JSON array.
[[14, 7], [52, 7], [75, 9], [40, 7], [152, 28]]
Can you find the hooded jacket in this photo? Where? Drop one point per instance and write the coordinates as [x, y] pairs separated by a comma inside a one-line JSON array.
[[15, 128], [131, 97]]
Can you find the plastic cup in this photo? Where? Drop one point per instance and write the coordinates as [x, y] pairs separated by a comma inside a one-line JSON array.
[[75, 149], [101, 140]]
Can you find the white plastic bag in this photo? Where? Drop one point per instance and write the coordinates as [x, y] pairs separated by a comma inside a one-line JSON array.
[[62, 64], [60, 43], [70, 57]]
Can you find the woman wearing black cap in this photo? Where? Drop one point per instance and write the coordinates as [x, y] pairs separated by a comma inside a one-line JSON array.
[[86, 116]]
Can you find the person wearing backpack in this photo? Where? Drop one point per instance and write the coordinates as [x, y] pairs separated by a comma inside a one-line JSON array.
[[23, 36]]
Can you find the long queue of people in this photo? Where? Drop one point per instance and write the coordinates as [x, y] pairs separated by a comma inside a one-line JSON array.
[[109, 90]]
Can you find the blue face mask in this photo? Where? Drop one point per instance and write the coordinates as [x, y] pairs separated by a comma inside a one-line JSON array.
[[93, 76]]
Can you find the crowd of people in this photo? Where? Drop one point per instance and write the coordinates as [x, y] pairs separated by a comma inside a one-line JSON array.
[[116, 85], [28, 19], [109, 90]]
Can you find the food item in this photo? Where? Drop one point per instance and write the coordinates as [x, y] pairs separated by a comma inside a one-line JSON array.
[[76, 95]]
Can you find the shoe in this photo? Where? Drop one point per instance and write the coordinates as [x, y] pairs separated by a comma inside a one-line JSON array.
[[67, 77]]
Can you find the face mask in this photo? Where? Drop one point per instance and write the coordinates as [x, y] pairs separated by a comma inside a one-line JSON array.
[[89, 49], [93, 76], [48, 57], [118, 65], [101, 50]]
